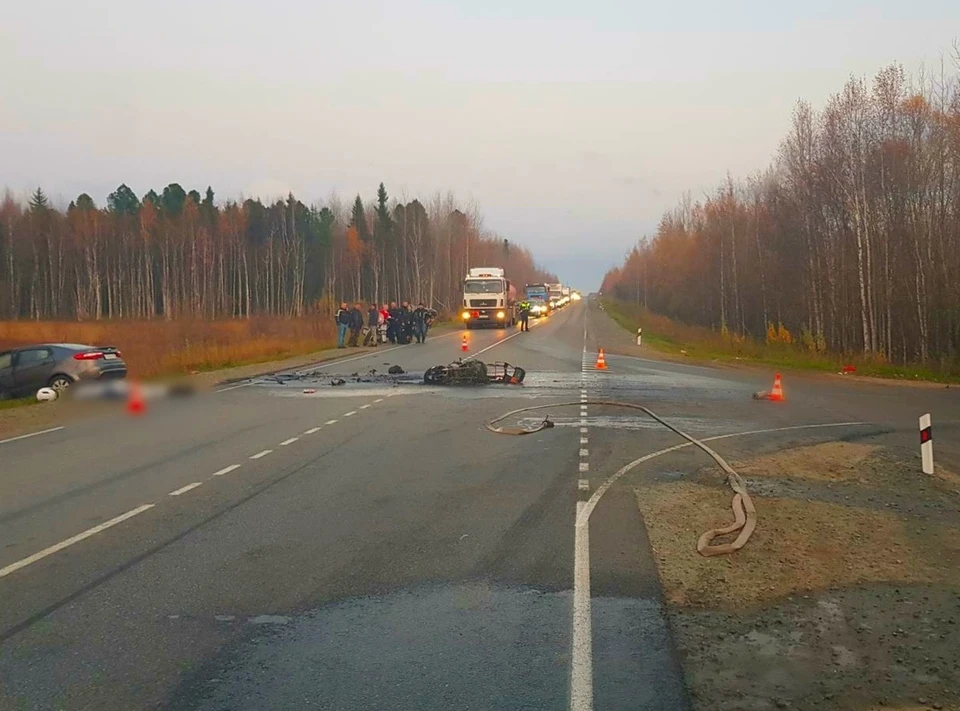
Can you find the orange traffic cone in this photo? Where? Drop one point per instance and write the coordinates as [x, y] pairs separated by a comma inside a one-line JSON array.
[[135, 402], [601, 361], [463, 343], [777, 392]]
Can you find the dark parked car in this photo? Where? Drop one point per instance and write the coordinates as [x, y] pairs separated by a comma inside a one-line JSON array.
[[25, 370]]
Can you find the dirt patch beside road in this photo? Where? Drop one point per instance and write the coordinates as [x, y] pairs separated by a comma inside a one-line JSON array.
[[841, 599]]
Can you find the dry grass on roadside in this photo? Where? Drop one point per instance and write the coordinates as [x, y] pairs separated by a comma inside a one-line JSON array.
[[158, 347], [798, 546]]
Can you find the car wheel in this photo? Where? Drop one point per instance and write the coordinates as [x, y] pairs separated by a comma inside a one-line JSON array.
[[60, 383]]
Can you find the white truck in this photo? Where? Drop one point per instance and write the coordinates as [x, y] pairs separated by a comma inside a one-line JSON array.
[[489, 299]]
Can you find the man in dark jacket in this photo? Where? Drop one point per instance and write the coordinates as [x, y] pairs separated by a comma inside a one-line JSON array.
[[373, 324], [422, 318], [343, 324], [394, 321], [356, 325]]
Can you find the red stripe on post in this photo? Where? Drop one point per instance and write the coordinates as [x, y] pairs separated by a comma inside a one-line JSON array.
[[926, 435]]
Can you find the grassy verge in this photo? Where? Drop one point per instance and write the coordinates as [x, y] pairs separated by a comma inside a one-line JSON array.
[[19, 402], [673, 338]]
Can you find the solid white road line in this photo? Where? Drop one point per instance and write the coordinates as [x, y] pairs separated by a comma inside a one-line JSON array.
[[264, 453], [13, 567], [32, 434], [331, 422], [185, 489], [312, 430], [502, 340], [285, 442], [232, 387], [350, 414], [226, 470], [581, 667]]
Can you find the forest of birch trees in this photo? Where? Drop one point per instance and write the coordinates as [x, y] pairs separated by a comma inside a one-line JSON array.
[[850, 240], [181, 254]]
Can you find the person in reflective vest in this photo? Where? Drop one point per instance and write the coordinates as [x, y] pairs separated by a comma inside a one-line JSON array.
[[524, 315]]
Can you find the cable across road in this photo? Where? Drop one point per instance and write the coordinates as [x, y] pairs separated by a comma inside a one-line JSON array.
[[744, 512]]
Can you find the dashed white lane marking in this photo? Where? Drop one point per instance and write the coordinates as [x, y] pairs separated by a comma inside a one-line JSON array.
[[32, 434], [584, 440], [364, 407], [350, 414], [583, 485], [13, 567], [331, 422], [584, 452], [264, 453], [185, 489], [583, 430], [285, 442], [584, 466], [379, 399], [312, 430], [581, 671], [226, 470]]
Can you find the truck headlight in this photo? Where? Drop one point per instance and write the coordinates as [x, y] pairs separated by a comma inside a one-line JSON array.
[[501, 315], [465, 315]]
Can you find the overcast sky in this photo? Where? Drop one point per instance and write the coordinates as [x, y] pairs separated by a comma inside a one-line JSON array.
[[572, 125]]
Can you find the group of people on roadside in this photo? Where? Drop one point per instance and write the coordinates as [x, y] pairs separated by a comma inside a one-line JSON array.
[[388, 323]]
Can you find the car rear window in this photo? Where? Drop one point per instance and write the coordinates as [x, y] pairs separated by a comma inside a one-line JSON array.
[[6, 359], [33, 356]]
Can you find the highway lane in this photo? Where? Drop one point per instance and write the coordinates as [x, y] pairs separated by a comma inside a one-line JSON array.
[[397, 557]]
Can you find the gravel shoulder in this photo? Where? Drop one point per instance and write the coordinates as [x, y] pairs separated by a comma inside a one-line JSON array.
[[846, 597]]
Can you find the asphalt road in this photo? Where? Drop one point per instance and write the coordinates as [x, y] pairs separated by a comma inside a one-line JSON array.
[[372, 546]]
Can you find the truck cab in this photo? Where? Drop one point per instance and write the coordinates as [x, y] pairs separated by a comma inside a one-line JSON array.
[[539, 298], [489, 299]]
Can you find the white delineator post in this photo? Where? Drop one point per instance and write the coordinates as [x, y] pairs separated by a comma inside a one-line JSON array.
[[640, 336], [926, 444]]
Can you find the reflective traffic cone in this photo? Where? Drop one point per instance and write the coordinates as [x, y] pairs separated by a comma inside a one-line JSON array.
[[601, 361], [135, 401], [777, 392], [463, 343]]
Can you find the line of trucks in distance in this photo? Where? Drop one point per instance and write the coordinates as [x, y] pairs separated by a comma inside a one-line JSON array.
[[489, 299]]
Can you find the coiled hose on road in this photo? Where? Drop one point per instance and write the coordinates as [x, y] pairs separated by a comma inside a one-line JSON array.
[[744, 512]]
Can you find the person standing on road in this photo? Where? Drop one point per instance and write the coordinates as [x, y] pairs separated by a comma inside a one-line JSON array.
[[524, 315], [373, 325], [405, 323], [343, 324], [383, 325], [422, 318], [393, 323], [356, 325]]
